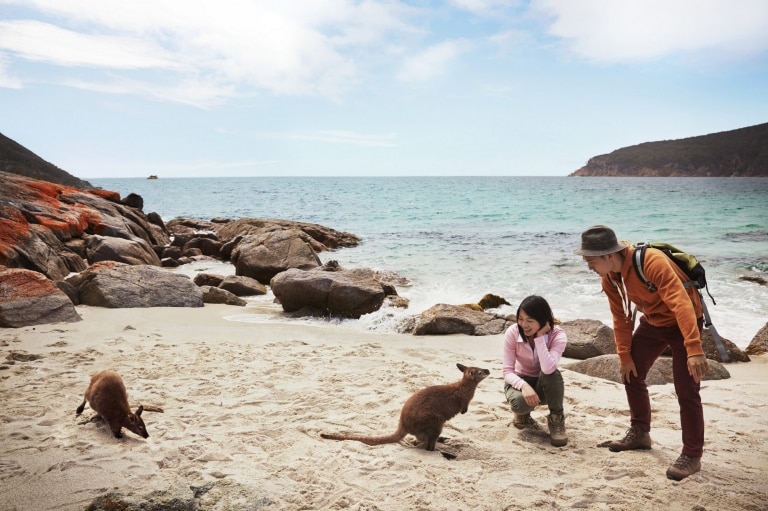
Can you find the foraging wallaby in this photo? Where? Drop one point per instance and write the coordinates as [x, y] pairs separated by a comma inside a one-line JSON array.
[[106, 395], [426, 411]]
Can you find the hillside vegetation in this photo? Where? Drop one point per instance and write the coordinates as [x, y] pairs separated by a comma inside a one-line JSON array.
[[737, 153], [17, 159]]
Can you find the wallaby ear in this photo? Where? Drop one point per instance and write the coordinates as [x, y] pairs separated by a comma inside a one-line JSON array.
[[461, 367], [139, 410]]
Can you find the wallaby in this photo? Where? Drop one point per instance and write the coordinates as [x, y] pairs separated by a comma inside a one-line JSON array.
[[425, 412], [106, 395]]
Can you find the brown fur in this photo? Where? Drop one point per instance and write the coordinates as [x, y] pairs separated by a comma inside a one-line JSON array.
[[106, 395], [425, 412]]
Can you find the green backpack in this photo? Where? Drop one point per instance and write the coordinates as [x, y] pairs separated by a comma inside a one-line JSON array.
[[695, 273]]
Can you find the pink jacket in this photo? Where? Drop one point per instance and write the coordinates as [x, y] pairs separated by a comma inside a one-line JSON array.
[[519, 359]]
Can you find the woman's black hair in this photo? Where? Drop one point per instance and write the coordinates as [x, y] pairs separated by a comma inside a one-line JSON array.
[[537, 308]]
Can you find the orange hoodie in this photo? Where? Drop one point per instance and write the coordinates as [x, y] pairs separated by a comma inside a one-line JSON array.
[[671, 304]]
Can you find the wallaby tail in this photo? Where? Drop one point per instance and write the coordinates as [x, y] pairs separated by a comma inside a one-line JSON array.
[[370, 440]]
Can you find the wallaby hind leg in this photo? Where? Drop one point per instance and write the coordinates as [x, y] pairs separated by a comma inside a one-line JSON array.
[[80, 408]]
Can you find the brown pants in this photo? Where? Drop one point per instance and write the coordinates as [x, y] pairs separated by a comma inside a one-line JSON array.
[[648, 342]]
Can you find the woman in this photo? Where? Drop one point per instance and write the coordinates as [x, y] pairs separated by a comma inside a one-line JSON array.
[[532, 350]]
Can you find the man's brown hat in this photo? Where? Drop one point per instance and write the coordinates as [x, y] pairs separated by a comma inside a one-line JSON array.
[[599, 240]]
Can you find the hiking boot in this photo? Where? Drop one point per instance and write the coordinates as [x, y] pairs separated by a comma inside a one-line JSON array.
[[634, 439], [525, 421], [557, 436], [683, 467]]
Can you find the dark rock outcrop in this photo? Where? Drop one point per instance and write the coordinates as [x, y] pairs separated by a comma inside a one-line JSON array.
[[445, 319], [217, 295], [262, 256], [208, 279], [588, 338], [735, 353], [330, 290], [118, 285], [58, 230], [128, 251], [242, 286], [759, 343], [488, 301], [44, 226], [607, 367], [29, 298], [320, 237]]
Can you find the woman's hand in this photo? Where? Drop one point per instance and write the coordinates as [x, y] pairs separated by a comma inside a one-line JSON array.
[[543, 330], [530, 395]]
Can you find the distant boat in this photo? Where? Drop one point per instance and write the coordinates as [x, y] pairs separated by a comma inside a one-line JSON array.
[[152, 177]]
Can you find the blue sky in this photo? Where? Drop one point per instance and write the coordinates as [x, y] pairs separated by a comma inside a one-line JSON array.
[[177, 88]]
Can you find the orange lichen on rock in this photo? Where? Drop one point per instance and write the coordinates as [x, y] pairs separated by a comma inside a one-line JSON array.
[[104, 266], [57, 226], [66, 221], [47, 192], [20, 283], [82, 218], [71, 223], [105, 194], [13, 229]]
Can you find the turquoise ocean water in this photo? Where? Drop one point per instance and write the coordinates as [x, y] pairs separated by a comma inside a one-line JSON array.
[[458, 238]]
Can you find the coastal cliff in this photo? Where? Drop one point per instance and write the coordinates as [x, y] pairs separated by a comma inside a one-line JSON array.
[[17, 159], [737, 153]]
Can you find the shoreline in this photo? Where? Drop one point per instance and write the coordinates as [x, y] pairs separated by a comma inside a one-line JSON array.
[[263, 309], [247, 401]]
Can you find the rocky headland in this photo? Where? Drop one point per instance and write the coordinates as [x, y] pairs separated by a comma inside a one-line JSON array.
[[737, 153]]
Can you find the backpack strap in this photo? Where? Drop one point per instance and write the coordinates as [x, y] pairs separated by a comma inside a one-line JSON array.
[[638, 259]]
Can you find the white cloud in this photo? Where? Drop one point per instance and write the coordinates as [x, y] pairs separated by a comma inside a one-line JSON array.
[[432, 62], [42, 42], [190, 91], [292, 47], [630, 30]]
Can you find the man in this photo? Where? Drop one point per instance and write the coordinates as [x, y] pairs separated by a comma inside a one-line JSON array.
[[672, 316]]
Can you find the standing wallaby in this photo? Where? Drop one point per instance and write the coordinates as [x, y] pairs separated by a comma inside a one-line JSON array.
[[426, 411], [106, 395]]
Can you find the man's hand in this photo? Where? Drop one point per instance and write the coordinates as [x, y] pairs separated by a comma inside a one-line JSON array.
[[627, 369], [697, 367]]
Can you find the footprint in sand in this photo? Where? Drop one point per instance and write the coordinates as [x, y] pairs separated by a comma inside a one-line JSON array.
[[9, 469], [617, 473]]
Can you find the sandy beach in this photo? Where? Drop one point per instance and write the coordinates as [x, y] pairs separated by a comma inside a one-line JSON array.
[[247, 402]]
